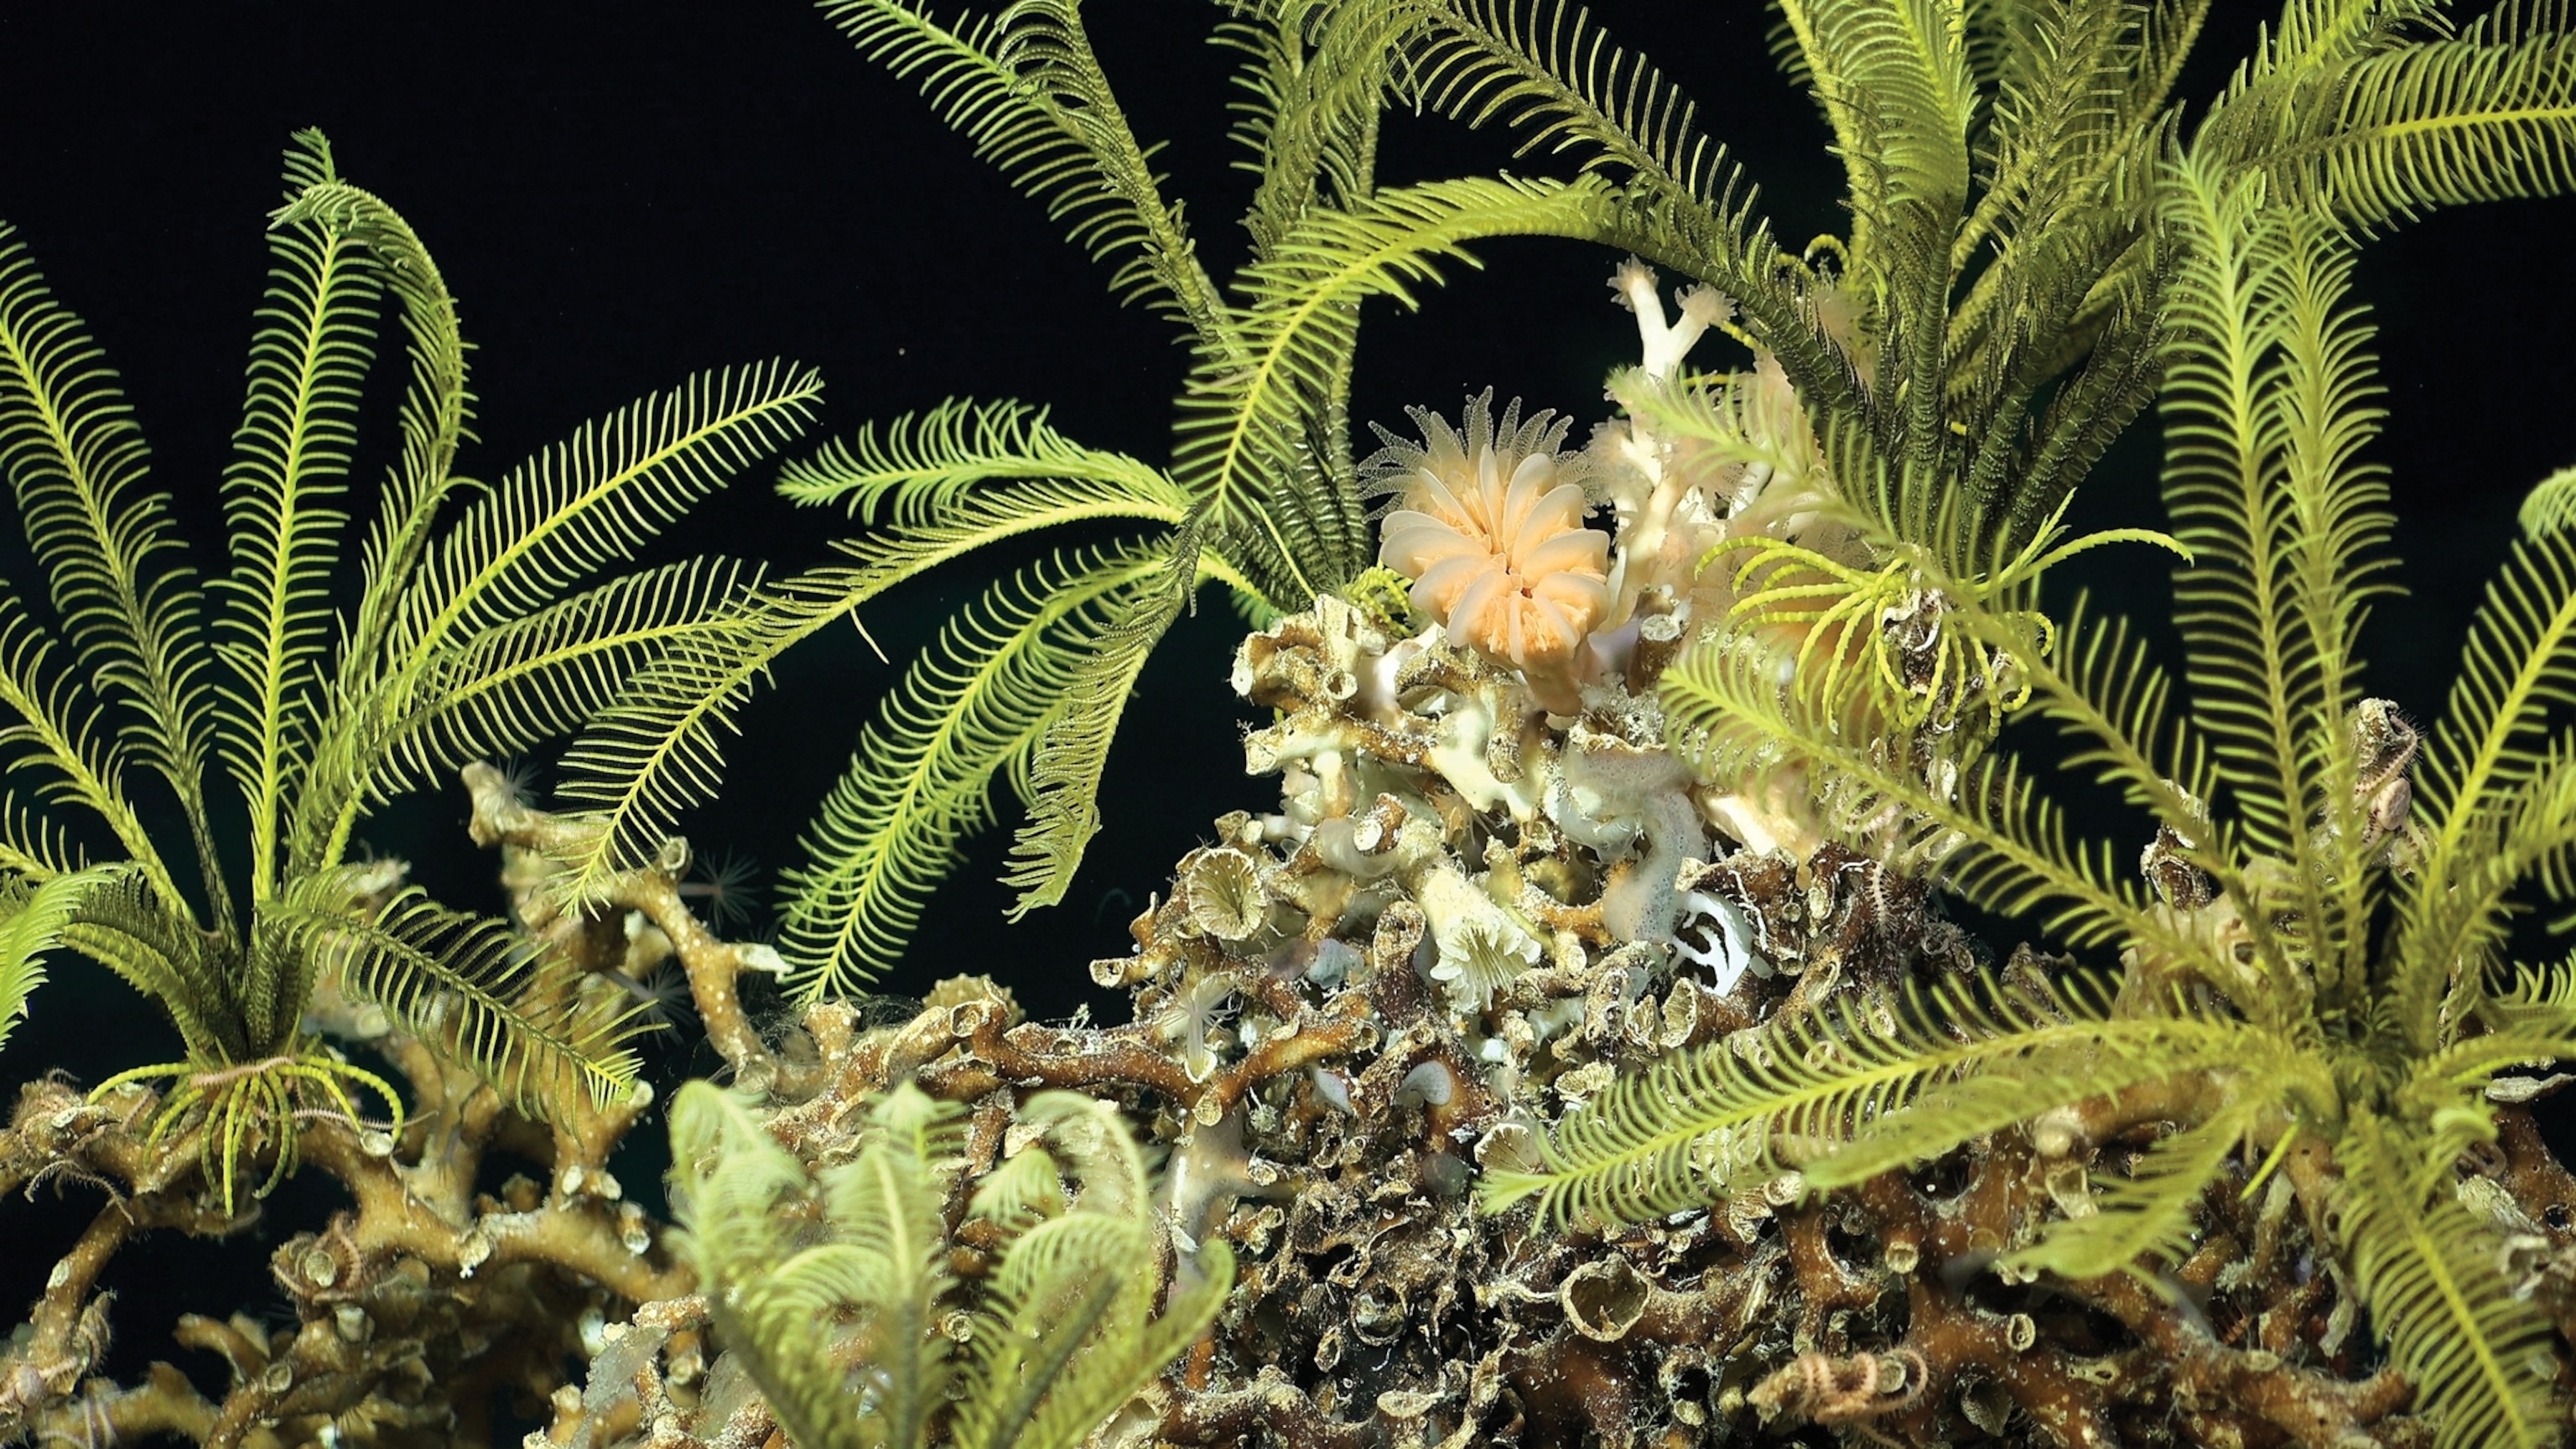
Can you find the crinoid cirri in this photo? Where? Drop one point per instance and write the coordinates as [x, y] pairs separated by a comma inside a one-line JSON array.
[[1489, 526]]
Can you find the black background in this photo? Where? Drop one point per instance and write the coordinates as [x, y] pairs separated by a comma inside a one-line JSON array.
[[622, 194]]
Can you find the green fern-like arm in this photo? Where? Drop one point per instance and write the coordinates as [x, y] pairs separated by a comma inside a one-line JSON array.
[[1547, 69], [1844, 1097], [921, 471], [2112, 695], [2265, 409], [473, 987], [731, 1182], [959, 479], [573, 509], [2491, 810], [2519, 664], [437, 409], [1073, 753], [308, 363], [2550, 506], [31, 925], [34, 848], [551, 672], [597, 497], [124, 925], [968, 709], [887, 1207], [1893, 80], [2427, 1270], [2452, 937], [108, 548], [2048, 128], [1315, 85], [1063, 1337], [56, 731], [2006, 847], [2486, 115], [2155, 1210], [1027, 90], [1550, 71], [884, 1263]]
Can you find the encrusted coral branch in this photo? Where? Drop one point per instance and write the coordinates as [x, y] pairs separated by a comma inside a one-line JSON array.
[[426, 1297], [714, 966]]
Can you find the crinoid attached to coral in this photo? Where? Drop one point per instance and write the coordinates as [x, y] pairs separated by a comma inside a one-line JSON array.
[[1490, 529]]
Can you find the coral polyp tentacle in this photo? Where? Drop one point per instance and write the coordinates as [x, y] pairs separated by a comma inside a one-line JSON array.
[[1489, 524]]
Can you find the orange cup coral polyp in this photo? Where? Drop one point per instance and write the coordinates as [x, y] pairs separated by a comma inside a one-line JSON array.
[[1491, 532]]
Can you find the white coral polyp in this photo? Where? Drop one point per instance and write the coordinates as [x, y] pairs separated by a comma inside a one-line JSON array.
[[1492, 535]]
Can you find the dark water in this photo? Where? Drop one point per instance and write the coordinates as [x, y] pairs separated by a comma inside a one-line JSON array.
[[621, 194]]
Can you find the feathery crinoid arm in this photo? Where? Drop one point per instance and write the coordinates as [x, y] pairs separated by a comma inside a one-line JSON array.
[[2532, 1019], [112, 560], [1072, 754], [2495, 798], [1546, 69], [351, 724], [2316, 36], [555, 522], [2269, 403], [2311, 44], [777, 1287], [595, 498], [2430, 1274], [2550, 506], [2106, 689], [934, 487], [32, 922], [1744, 421], [55, 730], [1025, 87], [435, 418], [2070, 266], [1894, 83], [122, 923], [890, 1254], [2486, 114], [1065, 1335], [1853, 1090], [2073, 90], [1315, 82], [547, 674], [283, 499], [1063, 1328], [543, 1035], [968, 473], [1893, 78], [2154, 1212], [972, 707], [1945, 398]]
